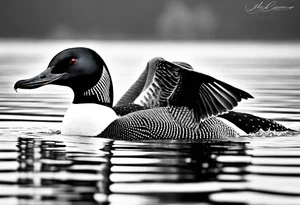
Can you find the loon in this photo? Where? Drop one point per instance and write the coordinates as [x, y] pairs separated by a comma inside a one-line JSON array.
[[168, 101]]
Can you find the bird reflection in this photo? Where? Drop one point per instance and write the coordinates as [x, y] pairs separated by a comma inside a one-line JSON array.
[[86, 170], [55, 171], [172, 171]]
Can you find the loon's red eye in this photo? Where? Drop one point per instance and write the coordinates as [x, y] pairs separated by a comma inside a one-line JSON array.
[[73, 61]]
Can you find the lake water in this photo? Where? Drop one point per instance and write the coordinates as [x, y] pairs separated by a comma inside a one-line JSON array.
[[40, 166]]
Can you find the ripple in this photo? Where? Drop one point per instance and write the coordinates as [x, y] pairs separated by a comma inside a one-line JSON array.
[[38, 165], [252, 197]]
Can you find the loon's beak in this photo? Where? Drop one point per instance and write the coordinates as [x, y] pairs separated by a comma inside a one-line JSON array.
[[42, 79]]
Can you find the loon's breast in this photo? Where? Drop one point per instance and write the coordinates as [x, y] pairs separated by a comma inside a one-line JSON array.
[[87, 119]]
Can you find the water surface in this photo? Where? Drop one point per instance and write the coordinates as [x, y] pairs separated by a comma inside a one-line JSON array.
[[40, 166]]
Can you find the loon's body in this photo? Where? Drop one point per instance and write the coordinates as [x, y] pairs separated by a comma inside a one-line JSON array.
[[166, 123], [168, 101]]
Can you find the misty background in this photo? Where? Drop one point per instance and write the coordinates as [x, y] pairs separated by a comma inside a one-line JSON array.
[[146, 19]]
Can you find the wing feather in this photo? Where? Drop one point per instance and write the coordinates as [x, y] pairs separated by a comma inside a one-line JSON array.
[[216, 104], [214, 97], [164, 82]]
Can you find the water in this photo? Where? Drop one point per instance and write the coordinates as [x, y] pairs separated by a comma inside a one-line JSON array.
[[40, 166]]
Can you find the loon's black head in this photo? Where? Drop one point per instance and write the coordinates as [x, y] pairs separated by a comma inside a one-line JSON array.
[[81, 69]]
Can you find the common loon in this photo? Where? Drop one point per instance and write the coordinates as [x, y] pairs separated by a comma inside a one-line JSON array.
[[168, 101]]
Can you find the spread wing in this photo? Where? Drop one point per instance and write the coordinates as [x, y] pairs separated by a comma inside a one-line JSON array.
[[177, 84], [152, 88], [135, 90]]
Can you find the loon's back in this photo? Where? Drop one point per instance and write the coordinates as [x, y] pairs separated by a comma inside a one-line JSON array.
[[166, 123]]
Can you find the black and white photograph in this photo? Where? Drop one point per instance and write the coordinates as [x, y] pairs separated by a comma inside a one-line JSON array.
[[145, 102]]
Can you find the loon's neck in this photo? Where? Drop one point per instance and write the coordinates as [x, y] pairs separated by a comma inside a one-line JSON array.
[[91, 111], [90, 98], [100, 93], [87, 119]]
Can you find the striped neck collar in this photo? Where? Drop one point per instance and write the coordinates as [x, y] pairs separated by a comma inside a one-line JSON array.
[[100, 93]]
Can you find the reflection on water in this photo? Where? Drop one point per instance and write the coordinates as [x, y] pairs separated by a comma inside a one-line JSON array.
[[40, 166], [45, 167], [48, 169]]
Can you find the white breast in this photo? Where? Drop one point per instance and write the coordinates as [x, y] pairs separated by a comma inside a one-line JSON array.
[[87, 119]]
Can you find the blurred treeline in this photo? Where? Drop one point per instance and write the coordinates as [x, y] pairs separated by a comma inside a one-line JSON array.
[[145, 19]]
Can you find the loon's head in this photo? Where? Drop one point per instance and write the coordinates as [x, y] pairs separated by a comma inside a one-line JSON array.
[[81, 69]]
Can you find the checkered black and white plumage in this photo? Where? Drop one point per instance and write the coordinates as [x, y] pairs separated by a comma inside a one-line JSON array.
[[171, 122]]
